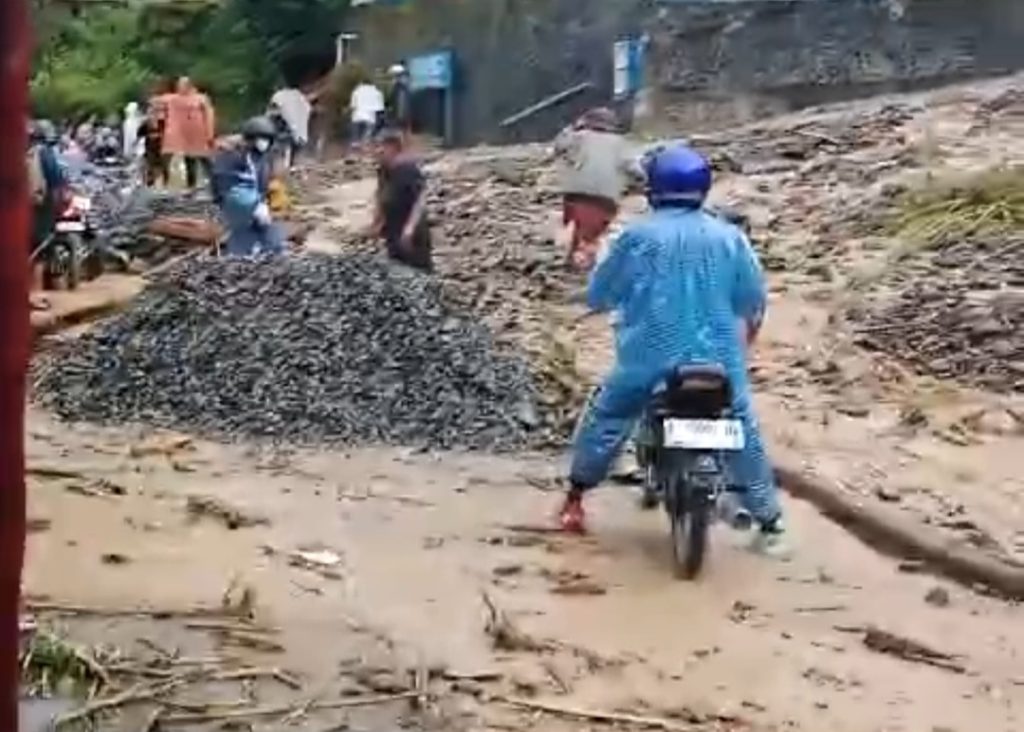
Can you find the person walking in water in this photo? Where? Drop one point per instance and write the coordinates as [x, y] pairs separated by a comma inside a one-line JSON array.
[[597, 168]]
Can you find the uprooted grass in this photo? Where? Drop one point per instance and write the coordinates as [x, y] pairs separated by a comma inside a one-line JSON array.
[[52, 665], [951, 208]]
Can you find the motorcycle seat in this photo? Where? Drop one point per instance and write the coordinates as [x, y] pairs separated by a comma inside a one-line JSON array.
[[702, 377], [695, 391]]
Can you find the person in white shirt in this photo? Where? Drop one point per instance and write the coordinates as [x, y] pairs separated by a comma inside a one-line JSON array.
[[292, 106], [367, 105]]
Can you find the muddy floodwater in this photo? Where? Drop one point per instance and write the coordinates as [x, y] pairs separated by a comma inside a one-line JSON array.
[[240, 587]]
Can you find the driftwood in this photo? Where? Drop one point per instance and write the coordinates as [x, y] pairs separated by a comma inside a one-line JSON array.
[[284, 710], [504, 634], [189, 229], [133, 695], [882, 641], [888, 532], [593, 716], [58, 608]]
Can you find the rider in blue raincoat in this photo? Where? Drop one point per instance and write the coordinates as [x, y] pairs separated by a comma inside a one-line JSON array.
[[687, 289], [240, 180]]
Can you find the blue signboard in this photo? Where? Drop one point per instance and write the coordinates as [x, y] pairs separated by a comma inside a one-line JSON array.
[[431, 71], [628, 67]]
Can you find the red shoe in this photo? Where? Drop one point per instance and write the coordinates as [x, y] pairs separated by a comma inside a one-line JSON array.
[[572, 518]]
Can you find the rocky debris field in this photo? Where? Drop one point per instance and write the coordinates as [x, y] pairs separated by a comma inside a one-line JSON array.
[[122, 209], [497, 256], [957, 315], [307, 349], [949, 299], [496, 243]]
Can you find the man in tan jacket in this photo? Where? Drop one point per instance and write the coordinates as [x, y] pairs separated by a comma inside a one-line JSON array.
[[598, 167]]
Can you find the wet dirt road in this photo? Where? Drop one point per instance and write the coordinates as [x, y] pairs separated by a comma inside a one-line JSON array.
[[419, 539]]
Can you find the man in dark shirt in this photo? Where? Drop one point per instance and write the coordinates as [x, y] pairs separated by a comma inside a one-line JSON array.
[[401, 203]]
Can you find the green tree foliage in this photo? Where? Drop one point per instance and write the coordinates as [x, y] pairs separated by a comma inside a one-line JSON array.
[[94, 57]]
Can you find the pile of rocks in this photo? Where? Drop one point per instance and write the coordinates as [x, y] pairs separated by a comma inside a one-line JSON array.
[[495, 221], [957, 313], [308, 349], [496, 254]]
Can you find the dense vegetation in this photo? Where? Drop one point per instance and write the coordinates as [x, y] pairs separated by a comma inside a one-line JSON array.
[[93, 56]]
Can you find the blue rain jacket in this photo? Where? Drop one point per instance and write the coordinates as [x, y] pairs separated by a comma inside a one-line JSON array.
[[240, 182], [679, 282]]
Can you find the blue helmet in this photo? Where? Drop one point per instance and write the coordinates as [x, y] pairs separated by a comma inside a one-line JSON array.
[[677, 174]]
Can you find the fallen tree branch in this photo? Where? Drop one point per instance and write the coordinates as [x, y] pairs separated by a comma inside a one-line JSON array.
[[882, 641], [47, 471], [896, 536], [60, 608], [134, 695], [593, 716], [285, 709], [504, 634]]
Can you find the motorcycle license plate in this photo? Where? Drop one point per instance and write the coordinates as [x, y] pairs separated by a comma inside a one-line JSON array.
[[704, 434], [76, 227]]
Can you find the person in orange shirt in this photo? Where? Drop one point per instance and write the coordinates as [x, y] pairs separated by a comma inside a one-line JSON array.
[[189, 129]]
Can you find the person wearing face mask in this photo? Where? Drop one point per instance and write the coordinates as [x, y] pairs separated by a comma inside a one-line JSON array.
[[241, 180]]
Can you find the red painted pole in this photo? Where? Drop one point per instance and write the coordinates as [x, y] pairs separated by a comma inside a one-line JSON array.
[[15, 47]]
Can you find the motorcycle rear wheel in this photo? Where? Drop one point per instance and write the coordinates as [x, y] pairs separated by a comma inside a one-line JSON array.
[[62, 267], [73, 275], [650, 493], [690, 526]]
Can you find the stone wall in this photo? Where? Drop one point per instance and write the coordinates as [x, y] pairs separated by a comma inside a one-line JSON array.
[[713, 62], [710, 61]]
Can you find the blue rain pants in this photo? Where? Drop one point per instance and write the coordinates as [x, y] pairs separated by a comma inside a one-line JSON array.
[[681, 281]]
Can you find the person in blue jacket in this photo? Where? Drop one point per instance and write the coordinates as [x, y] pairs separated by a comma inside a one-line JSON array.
[[241, 177], [687, 288], [48, 181]]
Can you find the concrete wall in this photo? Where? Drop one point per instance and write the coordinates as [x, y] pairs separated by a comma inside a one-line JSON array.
[[511, 53], [711, 61]]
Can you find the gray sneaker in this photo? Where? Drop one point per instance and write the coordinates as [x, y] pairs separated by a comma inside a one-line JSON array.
[[771, 540]]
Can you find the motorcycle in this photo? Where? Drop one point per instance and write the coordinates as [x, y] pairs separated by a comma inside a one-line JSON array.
[[681, 446], [67, 254], [106, 148]]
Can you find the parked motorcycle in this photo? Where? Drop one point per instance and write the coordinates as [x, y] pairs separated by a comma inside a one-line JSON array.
[[681, 446], [68, 255]]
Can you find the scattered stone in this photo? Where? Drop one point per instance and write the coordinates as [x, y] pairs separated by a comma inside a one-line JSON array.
[[206, 506], [887, 494], [507, 570], [951, 315], [38, 525], [115, 559], [741, 611], [938, 597], [322, 561], [306, 349]]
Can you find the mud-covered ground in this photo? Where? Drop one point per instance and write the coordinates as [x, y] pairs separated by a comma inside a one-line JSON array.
[[433, 578]]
